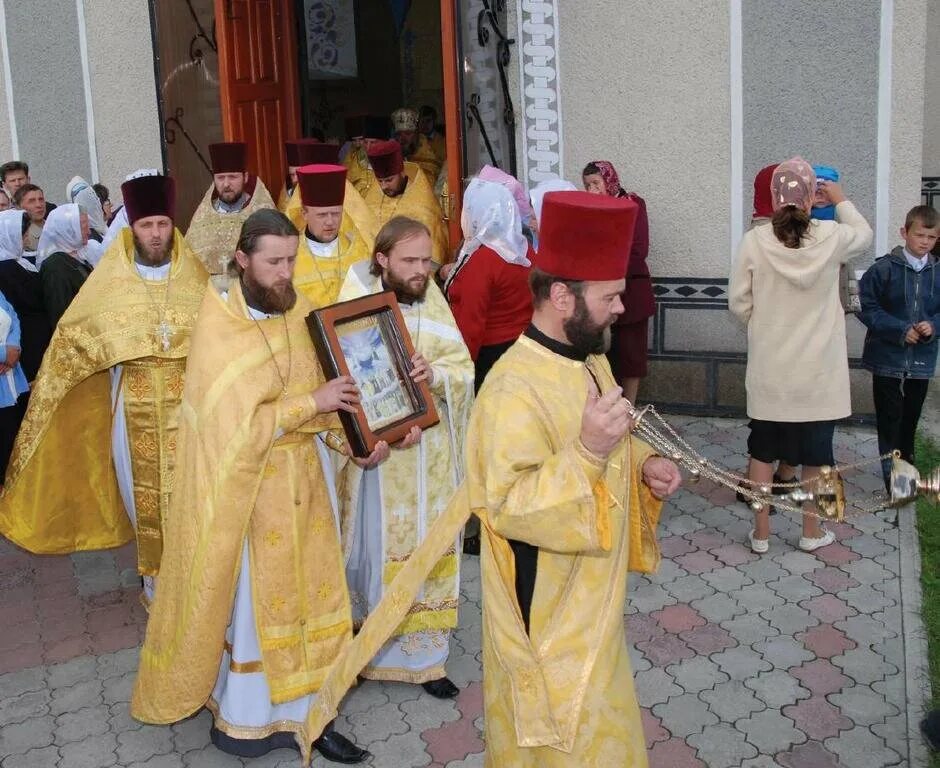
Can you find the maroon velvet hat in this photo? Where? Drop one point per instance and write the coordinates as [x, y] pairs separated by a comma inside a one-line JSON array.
[[386, 159], [584, 236], [229, 157], [149, 196], [310, 152], [322, 185]]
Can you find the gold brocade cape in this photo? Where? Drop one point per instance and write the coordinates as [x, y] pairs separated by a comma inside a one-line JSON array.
[[604, 522], [356, 215], [416, 202], [61, 491], [240, 435], [437, 460], [427, 159], [359, 172], [282, 200], [213, 235]]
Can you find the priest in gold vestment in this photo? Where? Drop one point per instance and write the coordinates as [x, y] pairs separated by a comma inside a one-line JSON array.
[[231, 198], [253, 605], [331, 242], [569, 503], [401, 189], [387, 510], [416, 147], [362, 131], [356, 214], [94, 459], [298, 152]]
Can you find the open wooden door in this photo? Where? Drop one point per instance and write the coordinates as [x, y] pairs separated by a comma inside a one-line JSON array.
[[453, 119], [258, 81]]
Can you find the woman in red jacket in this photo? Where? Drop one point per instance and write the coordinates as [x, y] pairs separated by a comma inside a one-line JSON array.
[[628, 347], [488, 287]]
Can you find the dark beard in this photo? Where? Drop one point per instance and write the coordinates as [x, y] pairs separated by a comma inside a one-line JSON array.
[[404, 291], [145, 256], [276, 300], [586, 336]]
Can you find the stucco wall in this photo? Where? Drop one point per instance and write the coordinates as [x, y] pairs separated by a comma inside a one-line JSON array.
[[124, 97], [6, 141], [48, 88], [48, 92], [812, 93], [931, 156], [657, 111]]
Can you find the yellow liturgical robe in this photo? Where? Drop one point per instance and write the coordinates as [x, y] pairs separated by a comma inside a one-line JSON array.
[[319, 276], [562, 693], [416, 202], [283, 199], [213, 235], [358, 170], [413, 488], [251, 475], [427, 159], [61, 493]]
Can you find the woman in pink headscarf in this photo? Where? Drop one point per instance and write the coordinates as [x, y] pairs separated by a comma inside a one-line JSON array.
[[785, 288], [629, 334]]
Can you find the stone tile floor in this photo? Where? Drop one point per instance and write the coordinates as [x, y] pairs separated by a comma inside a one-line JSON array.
[[788, 659]]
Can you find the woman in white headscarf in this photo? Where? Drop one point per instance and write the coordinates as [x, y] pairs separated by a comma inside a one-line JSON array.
[[537, 195], [20, 283], [488, 287], [63, 265], [81, 193]]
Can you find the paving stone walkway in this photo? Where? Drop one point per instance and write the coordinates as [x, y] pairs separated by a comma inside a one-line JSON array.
[[788, 659]]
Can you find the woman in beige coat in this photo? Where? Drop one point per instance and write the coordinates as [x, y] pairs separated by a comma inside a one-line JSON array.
[[785, 287]]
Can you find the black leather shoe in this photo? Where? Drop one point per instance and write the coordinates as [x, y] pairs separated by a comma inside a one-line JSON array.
[[471, 545], [442, 688], [338, 749]]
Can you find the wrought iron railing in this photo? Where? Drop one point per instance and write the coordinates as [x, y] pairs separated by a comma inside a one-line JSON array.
[[930, 190], [488, 27]]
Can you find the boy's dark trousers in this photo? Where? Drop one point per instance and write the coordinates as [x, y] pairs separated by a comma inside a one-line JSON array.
[[897, 410]]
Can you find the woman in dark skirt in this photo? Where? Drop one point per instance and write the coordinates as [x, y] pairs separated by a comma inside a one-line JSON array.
[[629, 333], [785, 287]]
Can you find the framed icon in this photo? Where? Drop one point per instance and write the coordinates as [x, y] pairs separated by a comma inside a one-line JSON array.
[[367, 339]]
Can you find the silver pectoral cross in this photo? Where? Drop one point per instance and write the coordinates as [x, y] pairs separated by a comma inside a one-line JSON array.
[[164, 330]]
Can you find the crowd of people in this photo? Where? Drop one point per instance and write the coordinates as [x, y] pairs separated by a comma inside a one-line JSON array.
[[175, 379]]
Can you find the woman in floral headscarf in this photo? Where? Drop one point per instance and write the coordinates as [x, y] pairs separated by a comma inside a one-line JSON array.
[[628, 346], [785, 288]]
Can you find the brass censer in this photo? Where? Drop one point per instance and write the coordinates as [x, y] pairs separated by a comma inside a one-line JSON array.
[[826, 492]]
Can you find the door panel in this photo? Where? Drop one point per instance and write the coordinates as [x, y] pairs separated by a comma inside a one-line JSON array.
[[258, 81]]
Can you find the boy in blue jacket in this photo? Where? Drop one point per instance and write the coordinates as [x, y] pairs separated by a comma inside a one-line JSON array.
[[900, 297]]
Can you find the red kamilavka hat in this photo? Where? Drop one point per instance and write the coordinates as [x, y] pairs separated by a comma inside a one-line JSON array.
[[322, 186], [229, 157], [386, 159], [585, 237], [149, 196]]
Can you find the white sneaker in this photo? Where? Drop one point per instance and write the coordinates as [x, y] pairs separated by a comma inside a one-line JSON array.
[[809, 545], [759, 546]]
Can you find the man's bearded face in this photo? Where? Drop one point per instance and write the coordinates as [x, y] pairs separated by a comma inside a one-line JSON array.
[[230, 186], [153, 239], [408, 268], [268, 274], [595, 310]]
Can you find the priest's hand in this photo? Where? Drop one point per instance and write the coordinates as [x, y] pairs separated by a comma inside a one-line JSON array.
[[605, 421], [421, 370], [661, 476], [378, 455], [339, 394], [412, 438]]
